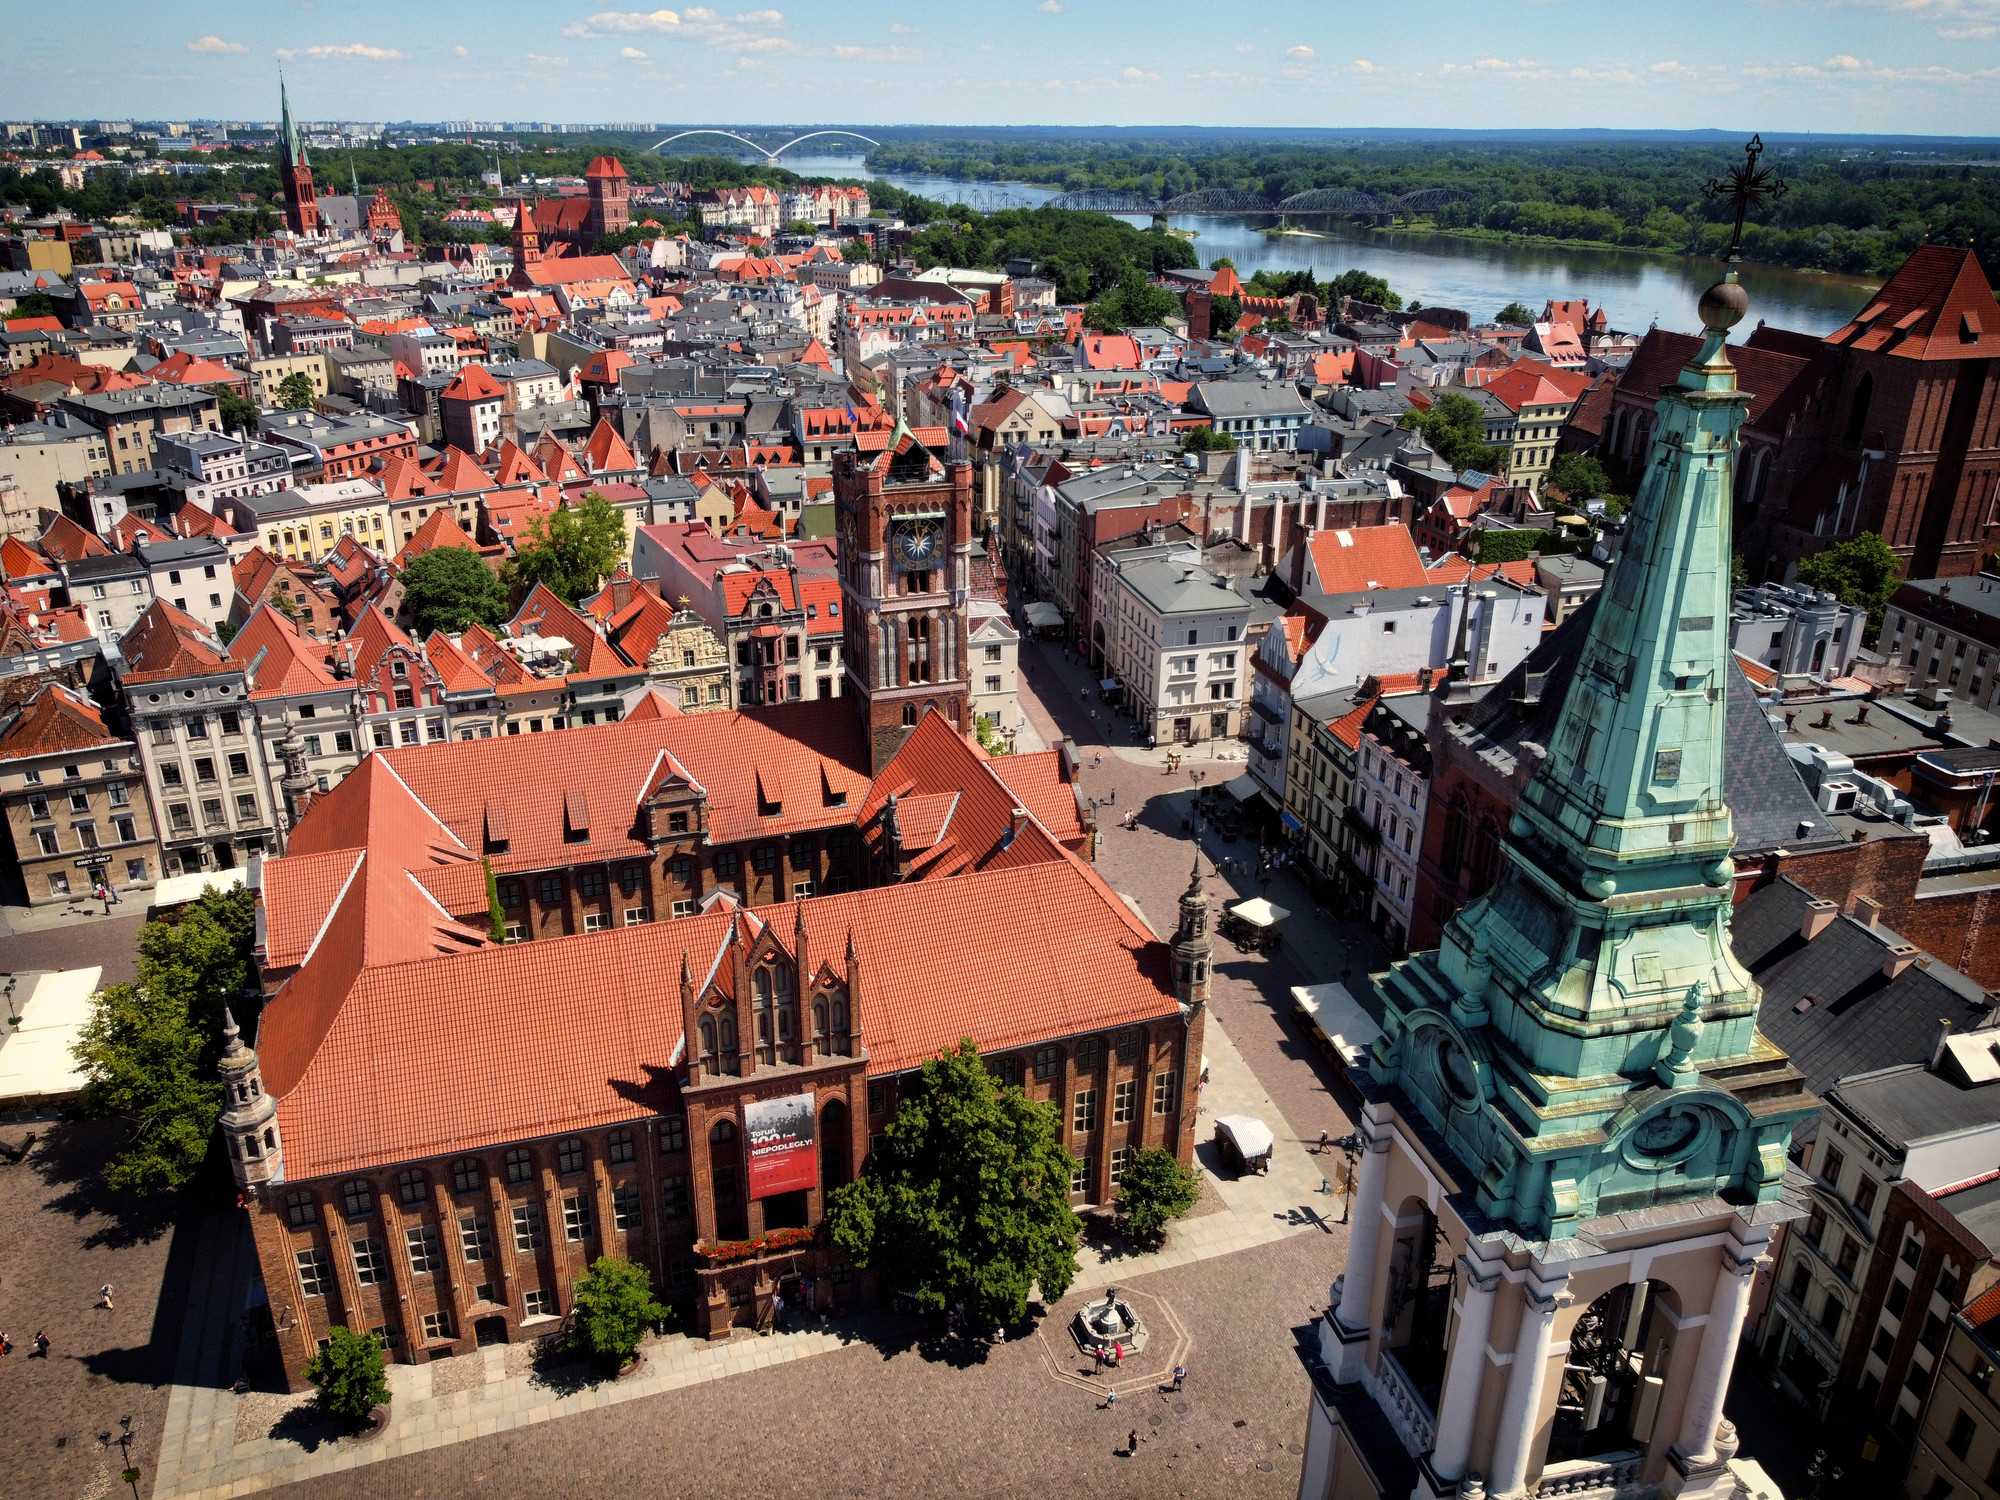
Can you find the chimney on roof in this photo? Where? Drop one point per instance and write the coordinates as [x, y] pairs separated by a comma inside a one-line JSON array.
[[1819, 915], [1897, 959], [1861, 714], [1864, 910], [1938, 1046], [1825, 719]]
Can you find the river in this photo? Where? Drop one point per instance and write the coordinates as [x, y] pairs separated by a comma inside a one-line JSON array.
[[1479, 276]]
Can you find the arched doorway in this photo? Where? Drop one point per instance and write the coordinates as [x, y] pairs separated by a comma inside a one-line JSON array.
[[725, 1160], [1417, 1312], [1614, 1376], [836, 1167]]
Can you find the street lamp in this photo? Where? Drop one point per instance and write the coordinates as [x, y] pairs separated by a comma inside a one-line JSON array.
[[1350, 1158]]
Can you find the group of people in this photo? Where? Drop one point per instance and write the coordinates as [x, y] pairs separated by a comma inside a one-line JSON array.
[[1099, 1358], [39, 1348]]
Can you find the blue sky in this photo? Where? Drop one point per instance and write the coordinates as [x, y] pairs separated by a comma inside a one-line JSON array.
[[1924, 66]]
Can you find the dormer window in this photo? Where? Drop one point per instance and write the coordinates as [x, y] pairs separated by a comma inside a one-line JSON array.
[[399, 669]]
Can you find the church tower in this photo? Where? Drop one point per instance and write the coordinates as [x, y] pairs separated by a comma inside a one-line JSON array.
[[610, 198], [527, 243], [249, 1115], [294, 171], [1574, 1134], [904, 518]]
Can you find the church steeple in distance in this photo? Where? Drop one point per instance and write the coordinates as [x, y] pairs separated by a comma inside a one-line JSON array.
[[294, 170]]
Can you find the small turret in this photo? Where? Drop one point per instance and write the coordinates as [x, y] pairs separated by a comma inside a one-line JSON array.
[[249, 1115], [298, 783], [1193, 945]]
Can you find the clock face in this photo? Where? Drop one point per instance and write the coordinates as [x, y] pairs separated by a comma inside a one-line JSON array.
[[916, 543]]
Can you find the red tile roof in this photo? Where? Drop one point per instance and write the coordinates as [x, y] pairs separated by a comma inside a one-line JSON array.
[[65, 541], [1347, 560], [54, 721], [1938, 305], [285, 660], [166, 642], [473, 383]]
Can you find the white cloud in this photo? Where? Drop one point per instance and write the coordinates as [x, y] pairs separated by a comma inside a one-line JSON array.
[[1301, 52], [1970, 31], [624, 23], [760, 18], [546, 59], [1846, 62], [1223, 78], [1138, 75], [1671, 68], [215, 45], [632, 54], [847, 53], [1516, 70], [1363, 66], [897, 28], [460, 52], [346, 51], [1052, 7]]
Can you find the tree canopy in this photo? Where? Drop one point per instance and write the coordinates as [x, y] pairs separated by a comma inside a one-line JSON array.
[[150, 1047], [1579, 476], [349, 1375], [1861, 571], [1515, 315], [1153, 1191], [572, 549], [449, 588], [1363, 287], [1455, 428], [1206, 440], [239, 413], [614, 1307], [964, 1201], [294, 392], [32, 305], [1132, 303], [1085, 255]]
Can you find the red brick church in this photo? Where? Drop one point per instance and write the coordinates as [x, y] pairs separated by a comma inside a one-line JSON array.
[[724, 940]]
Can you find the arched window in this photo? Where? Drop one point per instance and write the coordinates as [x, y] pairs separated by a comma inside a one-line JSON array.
[[250, 1147], [410, 1187], [271, 1137], [1857, 411], [1485, 856], [761, 1010], [726, 1175], [842, 1039], [466, 1175], [357, 1197], [708, 1043], [1453, 854], [820, 1037]]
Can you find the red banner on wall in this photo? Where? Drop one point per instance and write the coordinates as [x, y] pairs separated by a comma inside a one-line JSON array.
[[784, 1157]]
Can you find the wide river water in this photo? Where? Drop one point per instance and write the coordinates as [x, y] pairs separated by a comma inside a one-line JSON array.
[[1480, 276]]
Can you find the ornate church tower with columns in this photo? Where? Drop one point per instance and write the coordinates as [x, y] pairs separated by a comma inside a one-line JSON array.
[[1574, 1134], [249, 1115]]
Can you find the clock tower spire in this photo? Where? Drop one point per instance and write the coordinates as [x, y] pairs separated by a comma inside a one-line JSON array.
[[904, 516]]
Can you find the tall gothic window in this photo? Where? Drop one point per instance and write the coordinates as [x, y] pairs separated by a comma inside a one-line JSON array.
[[1454, 836], [766, 1026]]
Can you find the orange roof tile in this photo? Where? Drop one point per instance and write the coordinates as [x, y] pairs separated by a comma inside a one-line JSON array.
[[54, 721], [1348, 560]]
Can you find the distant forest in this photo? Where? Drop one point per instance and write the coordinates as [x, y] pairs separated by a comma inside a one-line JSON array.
[[1856, 207]]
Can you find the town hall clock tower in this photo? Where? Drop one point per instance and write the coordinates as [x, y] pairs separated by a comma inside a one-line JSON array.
[[905, 525]]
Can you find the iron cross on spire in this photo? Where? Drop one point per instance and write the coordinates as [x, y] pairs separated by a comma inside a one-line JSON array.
[[1749, 184]]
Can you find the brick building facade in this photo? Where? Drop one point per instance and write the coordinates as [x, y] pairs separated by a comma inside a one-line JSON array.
[[608, 1103]]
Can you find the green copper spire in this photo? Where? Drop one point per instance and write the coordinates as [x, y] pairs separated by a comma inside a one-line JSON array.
[[294, 148], [1584, 1040]]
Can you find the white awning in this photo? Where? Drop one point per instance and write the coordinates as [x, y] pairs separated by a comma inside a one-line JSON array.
[[1043, 615], [178, 890], [1338, 1016], [1251, 1135], [1258, 912], [1244, 788]]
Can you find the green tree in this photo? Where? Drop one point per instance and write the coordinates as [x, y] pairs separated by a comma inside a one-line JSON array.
[[1456, 428], [801, 226], [1510, 546], [1222, 263], [1578, 476], [349, 1375], [295, 392], [1206, 440], [32, 305], [614, 1307], [1861, 571], [149, 1049], [1223, 314], [571, 550], [239, 413], [1515, 315], [143, 1058], [1363, 287], [449, 588], [1153, 1191], [1134, 302], [496, 914], [964, 1201]]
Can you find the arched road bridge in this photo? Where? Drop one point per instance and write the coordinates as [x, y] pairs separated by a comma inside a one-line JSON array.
[[768, 155]]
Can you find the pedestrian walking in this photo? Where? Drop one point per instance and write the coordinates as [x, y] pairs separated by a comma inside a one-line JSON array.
[[104, 1296], [777, 1310], [41, 1345], [1180, 1376], [1096, 1359], [1132, 1442], [1110, 1400], [1325, 1141], [6, 1346], [1117, 1357]]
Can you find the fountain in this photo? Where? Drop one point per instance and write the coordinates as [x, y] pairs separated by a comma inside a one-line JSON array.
[[1109, 1322]]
